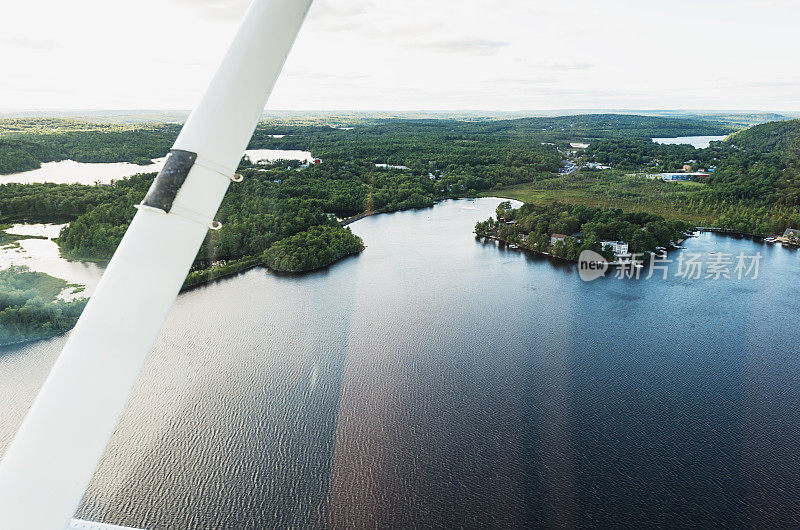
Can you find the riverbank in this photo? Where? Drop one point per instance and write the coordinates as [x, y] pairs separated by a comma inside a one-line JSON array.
[[351, 220], [319, 268], [522, 247], [515, 246], [7, 238], [730, 232], [218, 272], [214, 273]]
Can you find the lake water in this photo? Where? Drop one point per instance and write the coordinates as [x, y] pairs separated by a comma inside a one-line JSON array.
[[70, 172], [271, 155], [698, 142], [42, 255], [436, 380]]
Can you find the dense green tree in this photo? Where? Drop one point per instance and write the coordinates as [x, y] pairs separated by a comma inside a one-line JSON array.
[[531, 226], [29, 307]]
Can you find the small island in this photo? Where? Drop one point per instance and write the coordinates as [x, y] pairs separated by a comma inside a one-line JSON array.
[[566, 230], [314, 249], [30, 307]]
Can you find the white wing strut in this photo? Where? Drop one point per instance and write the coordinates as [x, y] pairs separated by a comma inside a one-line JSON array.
[[47, 467]]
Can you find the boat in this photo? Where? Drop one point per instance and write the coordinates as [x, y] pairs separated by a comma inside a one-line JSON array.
[[770, 240]]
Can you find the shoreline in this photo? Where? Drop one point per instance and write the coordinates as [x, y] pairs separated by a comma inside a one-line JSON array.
[[321, 267], [36, 339], [242, 270], [353, 219], [730, 231], [247, 266], [553, 256], [538, 252]]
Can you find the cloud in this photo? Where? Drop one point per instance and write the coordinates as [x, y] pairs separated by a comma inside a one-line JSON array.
[[467, 46], [227, 10], [338, 15], [305, 74], [339, 9], [525, 81], [771, 84], [551, 65], [32, 44]]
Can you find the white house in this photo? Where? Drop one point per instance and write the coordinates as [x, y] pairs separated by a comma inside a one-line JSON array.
[[620, 248]]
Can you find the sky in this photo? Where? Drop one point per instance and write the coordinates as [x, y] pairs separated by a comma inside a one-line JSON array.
[[362, 55]]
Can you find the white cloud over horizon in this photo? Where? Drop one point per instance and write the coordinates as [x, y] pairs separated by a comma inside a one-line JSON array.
[[413, 55]]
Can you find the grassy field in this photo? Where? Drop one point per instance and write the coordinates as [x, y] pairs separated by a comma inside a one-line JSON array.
[[611, 189]]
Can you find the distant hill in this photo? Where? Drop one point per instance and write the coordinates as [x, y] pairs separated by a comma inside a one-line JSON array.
[[741, 120], [594, 126], [338, 118], [769, 137], [764, 164], [25, 143]]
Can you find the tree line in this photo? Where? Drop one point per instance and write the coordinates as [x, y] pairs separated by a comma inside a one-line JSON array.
[[532, 226], [754, 188]]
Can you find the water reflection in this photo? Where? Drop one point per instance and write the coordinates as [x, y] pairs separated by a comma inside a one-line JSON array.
[[438, 381], [246, 419]]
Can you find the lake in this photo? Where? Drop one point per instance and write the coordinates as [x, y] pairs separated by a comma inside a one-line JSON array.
[[436, 380], [70, 172], [698, 142], [42, 255]]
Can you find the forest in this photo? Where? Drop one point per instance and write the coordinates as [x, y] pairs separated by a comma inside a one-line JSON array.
[[313, 249], [282, 204], [531, 227], [26, 144], [287, 216], [755, 185], [29, 308]]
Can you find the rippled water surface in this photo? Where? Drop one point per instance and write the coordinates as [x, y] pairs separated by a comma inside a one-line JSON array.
[[436, 380]]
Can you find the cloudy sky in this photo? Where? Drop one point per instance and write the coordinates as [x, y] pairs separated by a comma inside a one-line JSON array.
[[414, 54]]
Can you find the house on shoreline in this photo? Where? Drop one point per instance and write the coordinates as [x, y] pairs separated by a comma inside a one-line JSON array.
[[620, 248]]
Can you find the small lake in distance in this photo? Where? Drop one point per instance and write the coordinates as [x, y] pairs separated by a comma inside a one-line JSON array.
[[71, 172], [698, 142]]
